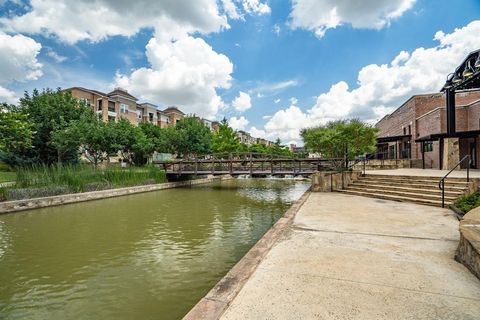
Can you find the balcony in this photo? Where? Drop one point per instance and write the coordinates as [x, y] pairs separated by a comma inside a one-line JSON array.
[[112, 113]]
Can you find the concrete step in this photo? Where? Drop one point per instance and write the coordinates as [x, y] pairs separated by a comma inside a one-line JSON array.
[[423, 190], [405, 187], [423, 201], [431, 186], [417, 181], [409, 194], [402, 177]]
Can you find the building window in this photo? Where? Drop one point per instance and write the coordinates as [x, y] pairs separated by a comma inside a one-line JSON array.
[[428, 146], [409, 129], [123, 108], [99, 106], [404, 131]]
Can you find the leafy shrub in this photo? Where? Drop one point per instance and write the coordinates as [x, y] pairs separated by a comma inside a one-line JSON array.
[[469, 202]]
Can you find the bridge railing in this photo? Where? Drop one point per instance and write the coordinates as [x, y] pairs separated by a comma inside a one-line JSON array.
[[246, 163]]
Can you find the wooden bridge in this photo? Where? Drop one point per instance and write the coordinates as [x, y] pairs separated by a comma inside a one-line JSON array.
[[244, 164]]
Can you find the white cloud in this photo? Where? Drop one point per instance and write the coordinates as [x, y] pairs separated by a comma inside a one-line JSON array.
[[242, 102], [275, 87], [8, 96], [285, 124], [257, 133], [256, 7], [277, 29], [238, 123], [276, 101], [55, 56], [320, 15], [381, 88], [293, 100], [231, 9], [73, 20], [185, 72], [18, 62], [76, 20]]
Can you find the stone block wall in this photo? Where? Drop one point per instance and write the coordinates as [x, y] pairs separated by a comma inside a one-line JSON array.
[[468, 251], [324, 181]]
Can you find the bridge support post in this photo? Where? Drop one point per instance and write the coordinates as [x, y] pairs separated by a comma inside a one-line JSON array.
[[251, 165]]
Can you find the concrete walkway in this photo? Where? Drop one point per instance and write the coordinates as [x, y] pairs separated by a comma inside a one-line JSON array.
[[349, 257]]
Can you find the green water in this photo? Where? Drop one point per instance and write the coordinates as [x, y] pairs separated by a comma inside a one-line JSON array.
[[144, 256]]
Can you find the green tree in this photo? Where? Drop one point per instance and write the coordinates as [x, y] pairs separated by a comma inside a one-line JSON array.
[[225, 139], [338, 139], [162, 138], [123, 137], [88, 134], [142, 149], [15, 130], [192, 137], [50, 111]]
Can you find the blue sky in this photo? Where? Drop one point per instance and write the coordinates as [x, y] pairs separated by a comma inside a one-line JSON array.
[[270, 67]]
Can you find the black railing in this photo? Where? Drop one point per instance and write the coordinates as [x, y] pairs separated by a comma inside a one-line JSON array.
[[441, 183]]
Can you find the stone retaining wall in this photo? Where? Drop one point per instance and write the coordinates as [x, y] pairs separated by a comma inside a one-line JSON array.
[[376, 164], [468, 251], [20, 205], [327, 181]]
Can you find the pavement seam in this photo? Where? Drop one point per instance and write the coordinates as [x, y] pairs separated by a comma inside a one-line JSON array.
[[299, 228], [368, 283]]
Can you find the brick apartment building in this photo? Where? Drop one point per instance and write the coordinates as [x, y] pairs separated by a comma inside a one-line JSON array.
[[417, 130], [120, 104]]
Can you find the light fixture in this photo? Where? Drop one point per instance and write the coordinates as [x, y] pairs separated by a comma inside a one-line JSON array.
[[456, 79], [477, 62], [448, 84], [468, 72]]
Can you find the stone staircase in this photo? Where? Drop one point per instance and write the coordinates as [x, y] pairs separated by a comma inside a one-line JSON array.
[[417, 189]]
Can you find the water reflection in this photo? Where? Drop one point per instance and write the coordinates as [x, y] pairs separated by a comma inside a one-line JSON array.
[[145, 256]]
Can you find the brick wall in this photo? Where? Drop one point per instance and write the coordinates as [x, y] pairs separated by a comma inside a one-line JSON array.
[[427, 115]]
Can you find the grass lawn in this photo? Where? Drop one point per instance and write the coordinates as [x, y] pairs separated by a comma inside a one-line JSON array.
[[7, 176]]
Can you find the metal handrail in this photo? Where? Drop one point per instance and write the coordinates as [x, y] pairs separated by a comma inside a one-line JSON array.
[[441, 183]]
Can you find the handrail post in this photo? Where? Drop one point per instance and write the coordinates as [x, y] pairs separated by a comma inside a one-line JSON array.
[[441, 183], [443, 193], [468, 168]]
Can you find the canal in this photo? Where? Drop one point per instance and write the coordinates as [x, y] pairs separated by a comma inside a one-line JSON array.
[[146, 256]]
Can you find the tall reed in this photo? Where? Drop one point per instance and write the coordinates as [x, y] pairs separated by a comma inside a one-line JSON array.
[[42, 180]]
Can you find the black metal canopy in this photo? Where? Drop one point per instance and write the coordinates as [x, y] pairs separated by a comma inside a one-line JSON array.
[[465, 77], [443, 135], [393, 138]]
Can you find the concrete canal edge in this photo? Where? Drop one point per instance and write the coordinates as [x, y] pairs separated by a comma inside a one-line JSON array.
[[35, 203], [214, 304]]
